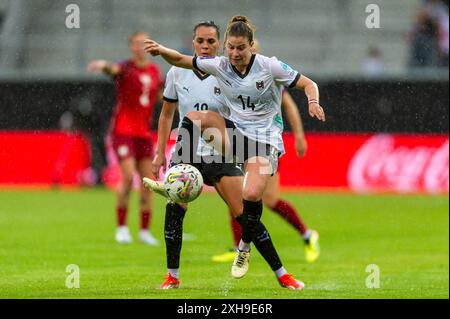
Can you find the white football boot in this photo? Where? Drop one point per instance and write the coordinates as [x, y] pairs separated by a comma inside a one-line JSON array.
[[147, 238], [123, 235], [155, 186], [240, 264]]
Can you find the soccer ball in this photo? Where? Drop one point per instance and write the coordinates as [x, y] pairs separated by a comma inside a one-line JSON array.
[[183, 183]]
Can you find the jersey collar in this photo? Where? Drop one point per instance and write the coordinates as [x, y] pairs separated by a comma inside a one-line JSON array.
[[201, 76], [247, 71]]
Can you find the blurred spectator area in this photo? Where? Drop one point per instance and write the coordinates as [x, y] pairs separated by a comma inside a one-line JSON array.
[[3, 9], [429, 41], [316, 37]]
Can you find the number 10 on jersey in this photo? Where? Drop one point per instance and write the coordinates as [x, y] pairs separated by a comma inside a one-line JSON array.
[[201, 107]]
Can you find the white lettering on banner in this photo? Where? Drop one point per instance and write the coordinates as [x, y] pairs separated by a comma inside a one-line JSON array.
[[379, 165], [438, 171]]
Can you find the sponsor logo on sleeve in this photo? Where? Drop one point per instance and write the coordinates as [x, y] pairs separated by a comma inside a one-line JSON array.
[[286, 67]]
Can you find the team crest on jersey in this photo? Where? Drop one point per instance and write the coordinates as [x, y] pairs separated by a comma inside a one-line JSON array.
[[260, 85], [217, 91]]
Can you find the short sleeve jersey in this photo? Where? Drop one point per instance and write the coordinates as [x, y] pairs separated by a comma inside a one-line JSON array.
[[253, 98], [137, 90]]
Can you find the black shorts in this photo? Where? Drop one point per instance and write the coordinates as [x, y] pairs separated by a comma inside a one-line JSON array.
[[245, 148], [212, 172]]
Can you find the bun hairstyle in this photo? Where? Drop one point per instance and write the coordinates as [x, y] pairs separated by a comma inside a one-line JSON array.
[[241, 26]]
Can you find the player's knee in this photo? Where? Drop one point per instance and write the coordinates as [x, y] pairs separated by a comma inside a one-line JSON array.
[[127, 182], [252, 195], [205, 118], [196, 116], [125, 190]]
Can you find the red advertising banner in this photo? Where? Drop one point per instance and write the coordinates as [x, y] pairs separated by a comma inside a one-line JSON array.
[[369, 163], [43, 158], [363, 163]]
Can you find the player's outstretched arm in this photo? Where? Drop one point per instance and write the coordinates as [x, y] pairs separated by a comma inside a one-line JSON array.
[[295, 120], [171, 56], [102, 66], [312, 92], [164, 127]]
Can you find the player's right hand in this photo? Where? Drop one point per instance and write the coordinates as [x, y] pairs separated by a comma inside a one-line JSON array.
[[152, 47], [158, 162]]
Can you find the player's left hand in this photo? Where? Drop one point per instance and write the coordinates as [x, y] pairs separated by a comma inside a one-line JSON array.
[[315, 110], [300, 146]]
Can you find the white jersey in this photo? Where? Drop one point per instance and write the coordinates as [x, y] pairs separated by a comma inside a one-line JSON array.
[[253, 98], [194, 92]]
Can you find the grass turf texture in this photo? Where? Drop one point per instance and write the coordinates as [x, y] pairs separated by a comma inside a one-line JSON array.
[[43, 232]]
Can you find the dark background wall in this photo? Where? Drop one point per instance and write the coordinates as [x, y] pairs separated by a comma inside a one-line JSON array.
[[351, 106]]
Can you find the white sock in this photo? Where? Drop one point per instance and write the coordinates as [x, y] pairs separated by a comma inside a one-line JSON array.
[[280, 272], [306, 235], [173, 272], [244, 246]]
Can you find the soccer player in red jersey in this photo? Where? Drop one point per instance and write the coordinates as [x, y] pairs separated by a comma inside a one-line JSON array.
[[138, 87]]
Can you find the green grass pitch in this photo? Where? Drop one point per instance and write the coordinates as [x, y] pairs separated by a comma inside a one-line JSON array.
[[41, 232]]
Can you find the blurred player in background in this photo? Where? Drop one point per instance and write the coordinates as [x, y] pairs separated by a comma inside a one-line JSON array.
[[272, 198], [138, 88]]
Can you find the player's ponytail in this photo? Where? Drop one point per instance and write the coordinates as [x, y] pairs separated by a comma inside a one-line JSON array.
[[241, 26]]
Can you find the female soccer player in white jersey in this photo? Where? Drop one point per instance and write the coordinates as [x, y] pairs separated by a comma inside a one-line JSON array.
[[189, 90], [272, 198], [251, 85]]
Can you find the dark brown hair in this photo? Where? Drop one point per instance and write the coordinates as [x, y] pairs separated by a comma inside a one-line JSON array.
[[241, 26], [209, 24]]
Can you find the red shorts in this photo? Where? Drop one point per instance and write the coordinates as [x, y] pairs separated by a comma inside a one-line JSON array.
[[129, 146]]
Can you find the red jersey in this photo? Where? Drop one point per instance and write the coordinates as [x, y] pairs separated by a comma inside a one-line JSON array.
[[136, 90]]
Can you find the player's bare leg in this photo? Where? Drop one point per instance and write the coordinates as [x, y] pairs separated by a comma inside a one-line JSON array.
[[127, 168], [214, 123], [144, 167]]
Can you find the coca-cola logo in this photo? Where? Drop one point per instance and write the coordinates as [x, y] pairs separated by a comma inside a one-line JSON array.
[[380, 165]]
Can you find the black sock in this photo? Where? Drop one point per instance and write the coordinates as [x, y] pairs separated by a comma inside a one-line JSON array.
[[187, 143], [253, 228], [173, 234]]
